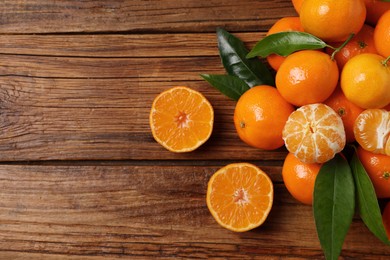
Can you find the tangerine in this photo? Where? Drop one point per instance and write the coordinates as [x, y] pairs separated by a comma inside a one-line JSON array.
[[362, 42], [332, 20], [314, 133], [282, 25], [365, 81], [307, 77], [181, 119], [240, 196], [382, 35], [377, 167], [299, 178], [297, 5], [347, 110], [372, 130], [375, 9], [260, 115]]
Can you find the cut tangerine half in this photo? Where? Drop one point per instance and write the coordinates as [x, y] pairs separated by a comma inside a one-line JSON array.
[[240, 196], [314, 133], [372, 130], [181, 119]]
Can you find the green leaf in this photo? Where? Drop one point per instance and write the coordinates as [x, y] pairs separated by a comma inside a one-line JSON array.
[[285, 43], [233, 55], [333, 205], [231, 86], [367, 201]]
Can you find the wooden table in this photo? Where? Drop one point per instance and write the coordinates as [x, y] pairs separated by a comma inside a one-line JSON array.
[[81, 176]]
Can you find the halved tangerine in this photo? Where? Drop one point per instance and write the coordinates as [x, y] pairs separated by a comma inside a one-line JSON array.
[[181, 119], [240, 196]]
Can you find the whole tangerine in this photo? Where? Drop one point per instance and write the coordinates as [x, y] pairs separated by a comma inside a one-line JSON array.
[[332, 20], [307, 77], [346, 110], [375, 9], [365, 81], [282, 25], [377, 167], [362, 42], [260, 115], [299, 178], [382, 35]]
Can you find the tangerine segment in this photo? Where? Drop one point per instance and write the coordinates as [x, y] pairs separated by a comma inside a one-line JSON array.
[[181, 119], [372, 130], [314, 133], [240, 196]]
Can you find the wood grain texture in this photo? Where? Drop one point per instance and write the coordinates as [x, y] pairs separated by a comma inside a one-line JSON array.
[[84, 101], [148, 211], [152, 16]]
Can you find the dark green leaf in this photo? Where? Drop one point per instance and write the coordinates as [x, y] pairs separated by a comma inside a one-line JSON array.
[[385, 0], [367, 201], [333, 205], [285, 43], [231, 86], [233, 55]]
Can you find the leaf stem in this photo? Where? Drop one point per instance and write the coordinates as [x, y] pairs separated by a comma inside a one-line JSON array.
[[385, 61], [336, 50]]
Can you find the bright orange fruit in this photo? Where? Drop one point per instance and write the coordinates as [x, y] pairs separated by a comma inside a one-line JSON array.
[[362, 42], [307, 77], [314, 133], [377, 167], [332, 20], [382, 35], [282, 25], [299, 178], [365, 81], [260, 115], [297, 5], [181, 119], [372, 130], [375, 9], [240, 196], [347, 110]]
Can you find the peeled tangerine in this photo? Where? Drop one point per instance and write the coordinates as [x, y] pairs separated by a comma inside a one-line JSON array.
[[314, 133], [372, 130]]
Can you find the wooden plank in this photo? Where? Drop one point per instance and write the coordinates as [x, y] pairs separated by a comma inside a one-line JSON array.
[[120, 45], [60, 102], [66, 16], [92, 119], [148, 211]]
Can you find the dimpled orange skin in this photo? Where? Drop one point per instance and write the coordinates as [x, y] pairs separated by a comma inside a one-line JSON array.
[[375, 9], [363, 42], [299, 178], [378, 168], [346, 110], [332, 20], [382, 35], [260, 115], [282, 25], [297, 5], [307, 77], [365, 81]]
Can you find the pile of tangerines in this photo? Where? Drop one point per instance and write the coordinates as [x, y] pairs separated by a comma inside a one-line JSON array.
[[323, 100]]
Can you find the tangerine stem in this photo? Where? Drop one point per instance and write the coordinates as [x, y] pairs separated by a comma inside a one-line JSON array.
[[342, 45], [386, 60]]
